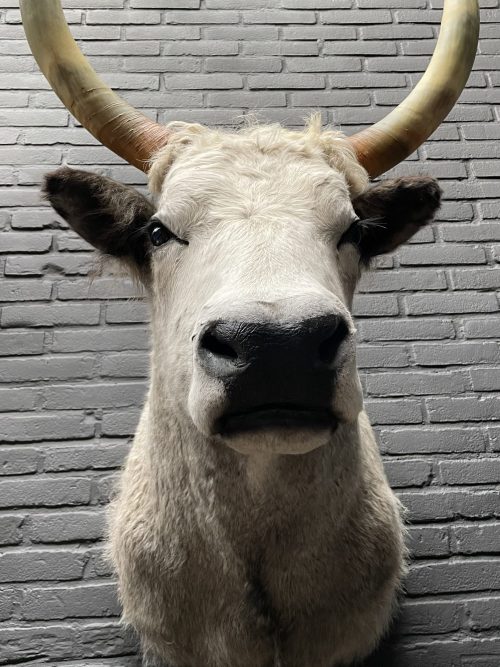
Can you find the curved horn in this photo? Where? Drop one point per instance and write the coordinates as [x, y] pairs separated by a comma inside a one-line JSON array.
[[127, 132], [388, 142]]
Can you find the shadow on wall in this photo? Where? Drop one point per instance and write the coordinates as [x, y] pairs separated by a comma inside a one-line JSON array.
[[387, 654]]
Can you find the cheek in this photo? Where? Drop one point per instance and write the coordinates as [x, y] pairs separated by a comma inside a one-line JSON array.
[[172, 307]]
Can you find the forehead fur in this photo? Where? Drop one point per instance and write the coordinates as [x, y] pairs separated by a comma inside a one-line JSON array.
[[257, 144]]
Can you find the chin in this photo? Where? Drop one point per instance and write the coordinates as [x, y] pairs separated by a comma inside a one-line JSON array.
[[276, 430]]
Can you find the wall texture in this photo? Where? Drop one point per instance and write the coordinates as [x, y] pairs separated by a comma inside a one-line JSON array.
[[74, 353]]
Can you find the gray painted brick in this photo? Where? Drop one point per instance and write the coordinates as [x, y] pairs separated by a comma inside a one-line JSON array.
[[454, 576], [242, 64], [164, 32], [165, 4], [117, 338], [49, 263], [45, 368], [360, 48], [134, 364], [464, 409], [98, 288], [477, 471], [277, 17], [482, 328], [330, 98], [427, 505], [285, 48], [32, 219], [263, 81], [97, 16], [244, 99], [101, 456], [494, 436], [243, 32], [313, 4], [327, 32], [325, 64], [432, 440], [443, 354], [394, 411], [25, 242], [449, 652], [43, 426], [472, 279], [410, 329], [80, 601], [18, 462], [207, 47], [103, 395], [483, 613], [375, 305], [355, 17], [205, 17], [490, 209], [10, 529], [203, 81], [428, 541], [431, 617], [476, 538], [401, 281], [382, 356], [488, 231], [17, 399], [50, 315], [420, 384], [7, 601], [485, 379], [73, 526], [33, 564], [465, 302], [407, 472], [414, 255], [163, 64], [46, 492], [119, 423], [64, 641], [126, 313]]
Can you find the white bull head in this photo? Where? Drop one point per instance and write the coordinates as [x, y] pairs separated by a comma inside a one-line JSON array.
[[251, 257]]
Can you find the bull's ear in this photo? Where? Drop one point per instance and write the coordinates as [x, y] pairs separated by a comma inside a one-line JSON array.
[[107, 214], [391, 212]]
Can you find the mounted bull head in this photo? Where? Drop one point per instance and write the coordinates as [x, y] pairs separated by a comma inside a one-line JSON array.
[[251, 256]]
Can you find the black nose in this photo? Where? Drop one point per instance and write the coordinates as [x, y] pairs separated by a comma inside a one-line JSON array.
[[268, 364], [229, 347]]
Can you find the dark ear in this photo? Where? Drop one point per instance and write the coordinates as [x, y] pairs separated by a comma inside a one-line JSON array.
[[105, 213], [391, 212]]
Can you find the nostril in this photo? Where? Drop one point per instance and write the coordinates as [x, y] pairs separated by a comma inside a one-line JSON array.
[[329, 346], [216, 346]]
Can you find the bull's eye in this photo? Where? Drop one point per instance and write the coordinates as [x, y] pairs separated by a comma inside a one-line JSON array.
[[159, 234]]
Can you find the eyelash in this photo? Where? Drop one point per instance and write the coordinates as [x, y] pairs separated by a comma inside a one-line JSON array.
[[352, 233]]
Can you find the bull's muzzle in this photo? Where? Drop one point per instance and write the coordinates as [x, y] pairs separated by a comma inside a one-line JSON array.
[[274, 375]]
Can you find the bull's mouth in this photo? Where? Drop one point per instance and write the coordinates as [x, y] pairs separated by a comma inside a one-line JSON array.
[[267, 417]]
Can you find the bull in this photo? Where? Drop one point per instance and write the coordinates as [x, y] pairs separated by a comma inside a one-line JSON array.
[[253, 525]]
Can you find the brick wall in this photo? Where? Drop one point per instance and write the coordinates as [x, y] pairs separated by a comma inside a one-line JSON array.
[[74, 353]]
